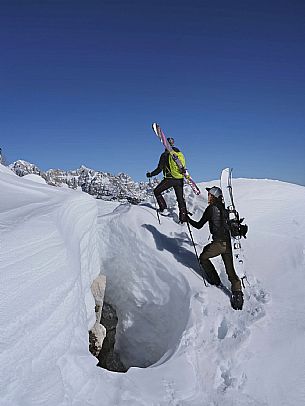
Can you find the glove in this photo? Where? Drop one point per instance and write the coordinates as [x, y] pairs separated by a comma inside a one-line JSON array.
[[148, 174]]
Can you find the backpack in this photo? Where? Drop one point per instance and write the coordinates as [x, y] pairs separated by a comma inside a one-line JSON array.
[[174, 166], [235, 226]]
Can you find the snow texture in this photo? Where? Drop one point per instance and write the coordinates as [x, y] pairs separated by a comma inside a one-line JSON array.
[[183, 343]]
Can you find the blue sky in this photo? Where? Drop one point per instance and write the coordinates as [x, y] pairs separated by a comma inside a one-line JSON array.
[[82, 81]]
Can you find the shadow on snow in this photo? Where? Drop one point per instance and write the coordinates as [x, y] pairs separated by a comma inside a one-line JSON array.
[[174, 246]]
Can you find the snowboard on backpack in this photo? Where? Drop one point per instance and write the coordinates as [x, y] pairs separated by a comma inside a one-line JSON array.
[[236, 228], [159, 133], [237, 232]]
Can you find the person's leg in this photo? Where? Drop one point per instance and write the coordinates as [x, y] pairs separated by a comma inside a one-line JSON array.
[[227, 258], [178, 188], [237, 298], [209, 251], [163, 185]]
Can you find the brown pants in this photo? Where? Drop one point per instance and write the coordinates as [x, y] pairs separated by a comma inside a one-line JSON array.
[[224, 249]]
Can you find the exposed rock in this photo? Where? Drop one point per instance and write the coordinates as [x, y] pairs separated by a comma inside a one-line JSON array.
[[22, 168], [102, 185], [108, 357], [102, 334], [97, 333]]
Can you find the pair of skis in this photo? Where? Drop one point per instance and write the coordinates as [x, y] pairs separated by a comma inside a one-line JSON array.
[[160, 134]]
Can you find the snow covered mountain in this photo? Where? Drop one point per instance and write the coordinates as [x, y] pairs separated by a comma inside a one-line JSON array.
[[183, 343], [102, 185]]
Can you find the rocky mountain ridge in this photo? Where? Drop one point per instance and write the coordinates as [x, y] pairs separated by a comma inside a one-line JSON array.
[[102, 185]]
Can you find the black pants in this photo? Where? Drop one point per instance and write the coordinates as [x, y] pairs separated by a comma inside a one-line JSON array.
[[224, 249], [165, 184]]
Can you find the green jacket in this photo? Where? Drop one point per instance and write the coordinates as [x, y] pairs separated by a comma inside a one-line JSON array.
[[168, 166]]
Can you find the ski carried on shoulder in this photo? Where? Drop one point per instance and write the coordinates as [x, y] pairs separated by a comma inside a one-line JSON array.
[[237, 229], [159, 133]]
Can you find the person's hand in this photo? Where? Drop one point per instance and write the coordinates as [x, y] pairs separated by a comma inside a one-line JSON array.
[[148, 174]]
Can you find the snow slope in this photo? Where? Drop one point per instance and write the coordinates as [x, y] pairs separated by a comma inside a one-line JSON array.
[[49, 256], [182, 341]]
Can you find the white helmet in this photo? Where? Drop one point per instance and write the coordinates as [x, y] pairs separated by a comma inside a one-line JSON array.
[[214, 191]]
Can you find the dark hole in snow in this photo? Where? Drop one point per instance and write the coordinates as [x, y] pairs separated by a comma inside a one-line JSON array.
[[152, 309]]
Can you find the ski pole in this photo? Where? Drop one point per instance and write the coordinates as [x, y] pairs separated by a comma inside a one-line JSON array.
[[155, 201], [191, 235]]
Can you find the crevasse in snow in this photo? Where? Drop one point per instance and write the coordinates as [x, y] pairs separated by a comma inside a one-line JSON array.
[[197, 349]]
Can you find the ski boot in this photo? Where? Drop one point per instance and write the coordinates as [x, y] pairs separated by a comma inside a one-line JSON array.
[[182, 215], [237, 300]]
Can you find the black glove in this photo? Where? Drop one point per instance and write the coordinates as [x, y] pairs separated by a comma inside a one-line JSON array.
[[148, 174]]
